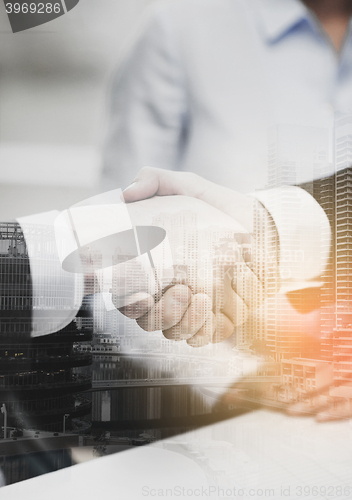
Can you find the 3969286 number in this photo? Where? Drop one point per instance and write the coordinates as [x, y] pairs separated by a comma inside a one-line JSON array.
[[325, 491], [33, 8]]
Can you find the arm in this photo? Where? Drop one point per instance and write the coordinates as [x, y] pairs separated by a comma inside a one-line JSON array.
[[56, 295], [148, 109]]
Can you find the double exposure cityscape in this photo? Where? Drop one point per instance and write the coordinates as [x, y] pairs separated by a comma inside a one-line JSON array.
[[102, 384]]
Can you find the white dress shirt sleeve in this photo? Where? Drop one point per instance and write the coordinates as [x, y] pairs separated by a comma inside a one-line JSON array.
[[56, 294], [304, 236]]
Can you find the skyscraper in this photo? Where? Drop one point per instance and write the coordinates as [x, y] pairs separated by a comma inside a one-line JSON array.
[[341, 343], [39, 379], [296, 154]]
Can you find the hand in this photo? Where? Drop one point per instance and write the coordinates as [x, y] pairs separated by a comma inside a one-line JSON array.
[[157, 182], [324, 404], [190, 310]]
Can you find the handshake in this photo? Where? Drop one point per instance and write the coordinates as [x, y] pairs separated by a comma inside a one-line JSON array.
[[218, 273]]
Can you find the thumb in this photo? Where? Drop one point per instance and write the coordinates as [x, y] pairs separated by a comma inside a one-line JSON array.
[[145, 185], [156, 181]]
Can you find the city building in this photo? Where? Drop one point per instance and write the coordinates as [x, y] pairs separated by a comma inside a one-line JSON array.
[[336, 198], [300, 377], [40, 380], [296, 155], [342, 362]]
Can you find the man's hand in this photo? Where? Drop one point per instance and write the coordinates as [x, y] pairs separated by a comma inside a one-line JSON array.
[[157, 182], [190, 310]]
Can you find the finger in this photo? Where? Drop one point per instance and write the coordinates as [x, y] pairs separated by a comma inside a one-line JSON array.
[[323, 411], [131, 277], [155, 181], [302, 410], [227, 301], [334, 414], [151, 181], [135, 305], [235, 309], [247, 285], [231, 271], [198, 312], [230, 310], [224, 328], [168, 311], [145, 185], [205, 334]]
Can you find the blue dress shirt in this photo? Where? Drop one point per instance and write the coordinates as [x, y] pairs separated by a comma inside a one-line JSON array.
[[224, 88]]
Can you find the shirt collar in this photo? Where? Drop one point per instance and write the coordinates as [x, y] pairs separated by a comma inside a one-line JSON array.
[[278, 17]]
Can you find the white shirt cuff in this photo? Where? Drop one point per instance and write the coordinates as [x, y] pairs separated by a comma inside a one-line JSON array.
[[57, 294], [304, 236]]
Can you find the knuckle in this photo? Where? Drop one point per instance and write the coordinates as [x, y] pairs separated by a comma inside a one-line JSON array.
[[168, 334], [203, 301], [191, 177], [196, 342], [147, 171], [146, 323], [170, 317], [224, 328], [175, 333], [181, 294]]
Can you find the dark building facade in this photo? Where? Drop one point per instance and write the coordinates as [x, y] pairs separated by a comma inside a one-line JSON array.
[[40, 382]]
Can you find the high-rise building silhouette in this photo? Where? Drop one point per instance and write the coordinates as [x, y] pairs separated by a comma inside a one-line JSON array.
[[296, 154], [40, 381], [339, 345]]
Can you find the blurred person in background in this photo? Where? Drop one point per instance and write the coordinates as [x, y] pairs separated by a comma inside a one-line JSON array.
[[205, 80]]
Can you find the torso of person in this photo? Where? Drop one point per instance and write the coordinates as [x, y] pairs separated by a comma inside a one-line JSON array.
[[266, 92]]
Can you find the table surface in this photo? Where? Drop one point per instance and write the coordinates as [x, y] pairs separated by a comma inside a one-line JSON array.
[[256, 455]]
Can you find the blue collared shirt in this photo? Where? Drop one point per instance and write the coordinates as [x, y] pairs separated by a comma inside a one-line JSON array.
[[226, 88], [293, 35]]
